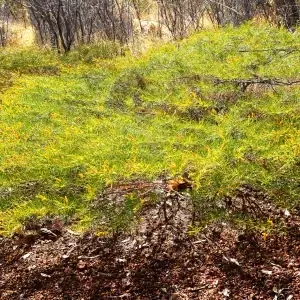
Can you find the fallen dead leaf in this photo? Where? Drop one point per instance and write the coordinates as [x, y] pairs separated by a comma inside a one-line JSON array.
[[26, 255], [81, 265], [267, 272], [179, 184]]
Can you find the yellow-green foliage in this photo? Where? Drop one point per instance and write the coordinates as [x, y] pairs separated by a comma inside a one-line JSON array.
[[69, 128]]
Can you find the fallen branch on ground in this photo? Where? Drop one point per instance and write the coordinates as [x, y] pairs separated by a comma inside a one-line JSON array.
[[243, 84], [289, 50]]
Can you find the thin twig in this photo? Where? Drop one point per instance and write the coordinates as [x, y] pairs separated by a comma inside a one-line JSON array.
[[290, 50]]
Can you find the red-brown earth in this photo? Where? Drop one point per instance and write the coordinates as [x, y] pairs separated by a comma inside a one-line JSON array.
[[157, 260]]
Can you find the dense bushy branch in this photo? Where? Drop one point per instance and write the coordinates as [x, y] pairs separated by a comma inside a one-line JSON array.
[[288, 12], [181, 16], [284, 12], [63, 23], [232, 11]]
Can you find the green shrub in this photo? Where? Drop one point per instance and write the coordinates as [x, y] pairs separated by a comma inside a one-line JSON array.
[[28, 61], [180, 112], [92, 52]]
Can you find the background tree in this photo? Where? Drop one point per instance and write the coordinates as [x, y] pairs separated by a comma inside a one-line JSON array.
[[64, 23], [181, 16], [5, 18], [288, 12]]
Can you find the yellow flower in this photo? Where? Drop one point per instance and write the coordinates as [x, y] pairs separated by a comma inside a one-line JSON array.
[[264, 236]]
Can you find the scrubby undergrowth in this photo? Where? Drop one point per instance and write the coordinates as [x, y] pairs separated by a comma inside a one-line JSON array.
[[220, 109]]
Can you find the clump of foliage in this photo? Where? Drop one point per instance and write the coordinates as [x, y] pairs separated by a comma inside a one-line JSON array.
[[33, 61], [222, 105], [95, 51]]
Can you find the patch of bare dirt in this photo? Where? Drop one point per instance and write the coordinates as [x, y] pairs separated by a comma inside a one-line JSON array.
[[159, 260]]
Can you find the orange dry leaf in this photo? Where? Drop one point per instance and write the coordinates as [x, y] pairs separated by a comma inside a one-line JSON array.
[[179, 184]]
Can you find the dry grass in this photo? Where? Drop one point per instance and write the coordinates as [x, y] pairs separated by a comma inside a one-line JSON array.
[[22, 35]]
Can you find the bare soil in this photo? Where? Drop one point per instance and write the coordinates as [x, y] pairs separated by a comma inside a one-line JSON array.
[[158, 260]]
